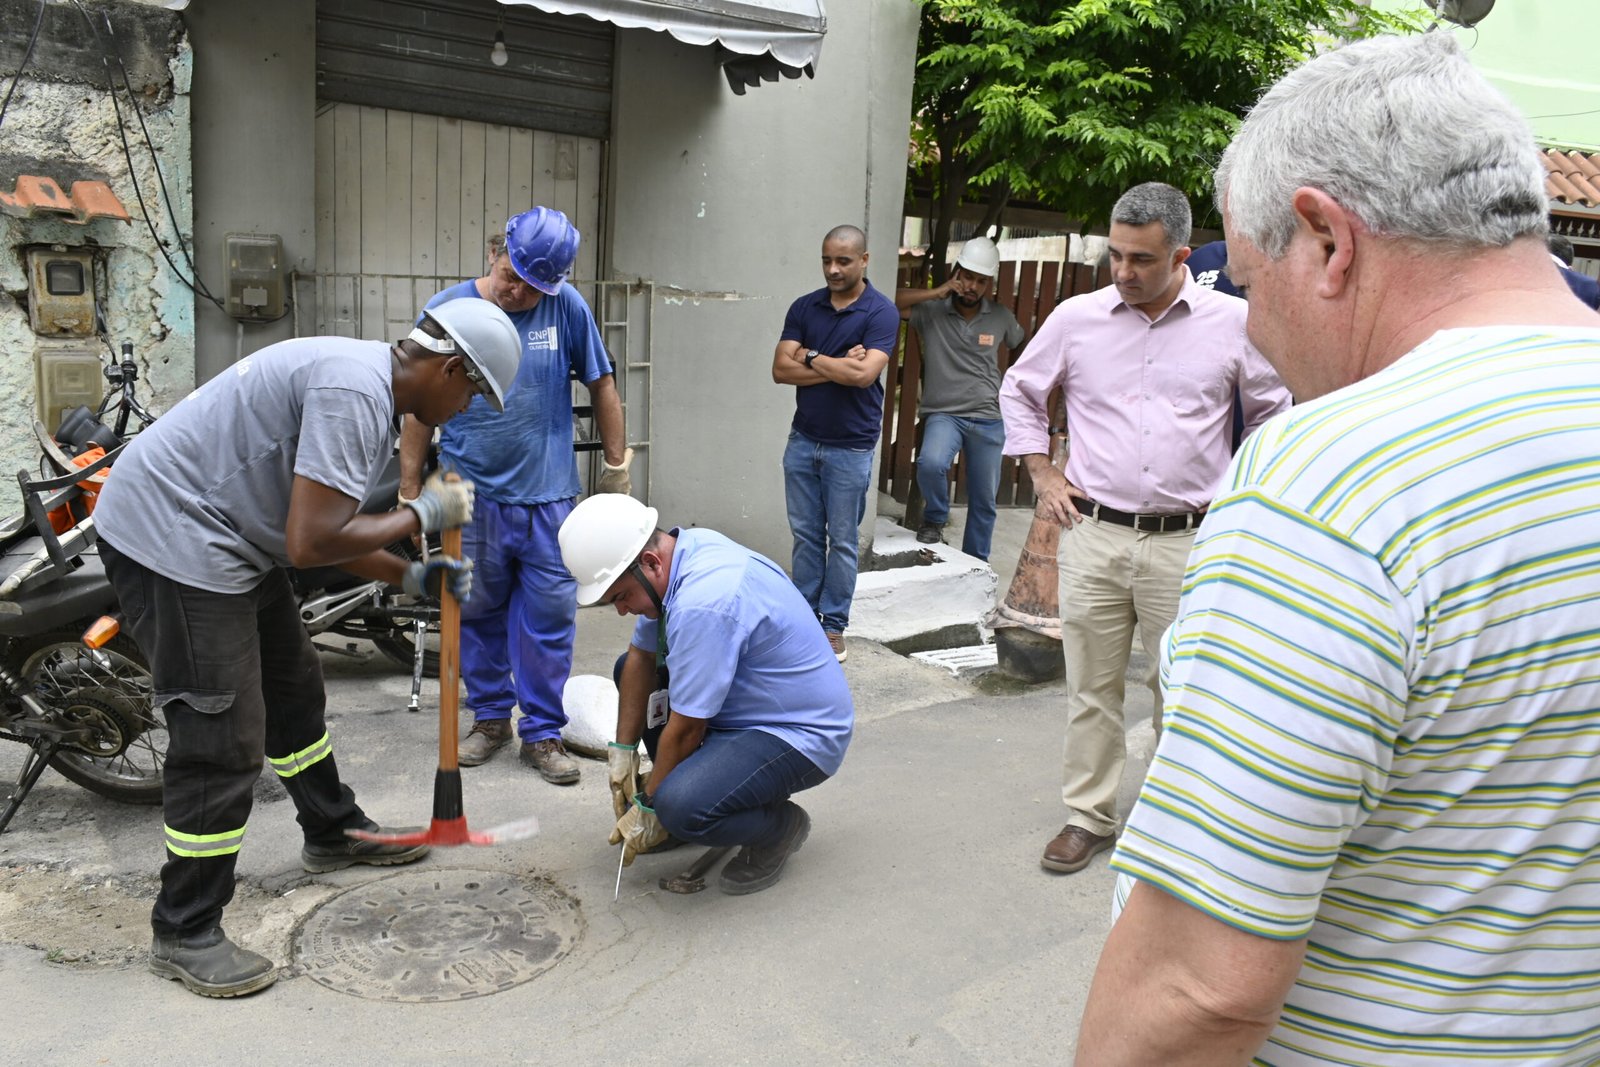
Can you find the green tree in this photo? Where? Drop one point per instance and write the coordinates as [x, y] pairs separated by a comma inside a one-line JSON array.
[[1069, 102]]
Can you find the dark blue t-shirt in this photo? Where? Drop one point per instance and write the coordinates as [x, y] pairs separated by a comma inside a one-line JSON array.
[[1209, 265], [844, 416], [1583, 287]]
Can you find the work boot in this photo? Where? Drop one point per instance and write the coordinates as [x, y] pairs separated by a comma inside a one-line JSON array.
[[322, 858], [486, 737], [550, 759], [931, 533], [210, 964], [758, 866], [836, 642]]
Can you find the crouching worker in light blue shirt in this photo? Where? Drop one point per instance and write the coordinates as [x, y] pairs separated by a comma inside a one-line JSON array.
[[757, 708]]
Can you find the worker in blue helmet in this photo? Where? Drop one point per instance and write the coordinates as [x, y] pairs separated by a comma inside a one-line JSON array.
[[517, 630]]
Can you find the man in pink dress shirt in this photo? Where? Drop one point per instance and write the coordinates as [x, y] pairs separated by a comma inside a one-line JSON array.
[[1148, 367]]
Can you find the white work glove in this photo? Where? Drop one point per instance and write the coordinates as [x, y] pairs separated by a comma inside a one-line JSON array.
[[622, 765], [443, 503], [425, 579], [616, 479], [638, 830]]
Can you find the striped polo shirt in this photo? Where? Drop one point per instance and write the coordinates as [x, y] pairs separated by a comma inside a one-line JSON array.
[[1382, 722]]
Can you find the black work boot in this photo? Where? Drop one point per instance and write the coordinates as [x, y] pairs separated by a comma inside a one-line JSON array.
[[758, 866], [486, 737], [210, 964], [321, 858]]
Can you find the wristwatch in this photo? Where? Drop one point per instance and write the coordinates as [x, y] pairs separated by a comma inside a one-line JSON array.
[[811, 355]]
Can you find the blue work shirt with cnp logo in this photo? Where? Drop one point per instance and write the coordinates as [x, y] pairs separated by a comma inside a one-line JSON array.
[[745, 651], [525, 455]]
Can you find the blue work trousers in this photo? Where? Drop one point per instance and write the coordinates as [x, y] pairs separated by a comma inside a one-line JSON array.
[[980, 442], [825, 487], [517, 627], [731, 790]]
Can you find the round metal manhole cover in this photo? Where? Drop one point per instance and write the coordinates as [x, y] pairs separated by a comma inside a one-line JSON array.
[[437, 935]]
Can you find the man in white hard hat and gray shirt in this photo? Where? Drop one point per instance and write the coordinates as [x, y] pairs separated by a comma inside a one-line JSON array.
[[265, 467], [961, 331], [727, 662]]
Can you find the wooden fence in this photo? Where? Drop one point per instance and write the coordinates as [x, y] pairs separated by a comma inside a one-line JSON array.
[[1031, 290]]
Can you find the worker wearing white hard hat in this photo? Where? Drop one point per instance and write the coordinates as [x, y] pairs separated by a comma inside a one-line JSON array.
[[728, 680], [262, 468], [962, 333]]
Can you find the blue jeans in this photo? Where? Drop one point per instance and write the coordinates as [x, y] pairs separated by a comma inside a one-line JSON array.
[[826, 490], [730, 791], [517, 628], [981, 441]]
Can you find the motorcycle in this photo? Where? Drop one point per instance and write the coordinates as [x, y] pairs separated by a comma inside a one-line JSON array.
[[80, 702]]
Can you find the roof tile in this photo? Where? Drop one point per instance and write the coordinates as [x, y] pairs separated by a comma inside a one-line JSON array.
[[1572, 178], [37, 196]]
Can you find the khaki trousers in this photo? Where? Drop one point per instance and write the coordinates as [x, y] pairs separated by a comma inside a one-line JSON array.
[[1112, 578]]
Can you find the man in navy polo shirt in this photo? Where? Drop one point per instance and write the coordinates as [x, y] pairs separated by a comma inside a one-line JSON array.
[[1209, 265], [835, 343]]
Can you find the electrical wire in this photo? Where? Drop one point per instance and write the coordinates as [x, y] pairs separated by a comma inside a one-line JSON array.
[[27, 54], [166, 197], [197, 286]]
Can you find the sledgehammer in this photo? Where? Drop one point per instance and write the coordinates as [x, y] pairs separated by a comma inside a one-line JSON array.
[[449, 826]]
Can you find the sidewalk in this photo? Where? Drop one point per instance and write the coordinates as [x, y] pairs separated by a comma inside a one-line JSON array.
[[915, 926]]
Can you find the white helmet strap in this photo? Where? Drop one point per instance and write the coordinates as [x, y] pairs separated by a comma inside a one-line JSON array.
[[444, 346]]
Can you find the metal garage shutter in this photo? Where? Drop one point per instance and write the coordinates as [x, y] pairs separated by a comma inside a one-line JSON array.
[[433, 57]]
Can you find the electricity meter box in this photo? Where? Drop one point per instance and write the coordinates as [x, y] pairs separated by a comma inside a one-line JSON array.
[[254, 279], [61, 291], [65, 376]]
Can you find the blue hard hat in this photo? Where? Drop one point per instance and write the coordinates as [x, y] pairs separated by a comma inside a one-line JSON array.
[[542, 244]]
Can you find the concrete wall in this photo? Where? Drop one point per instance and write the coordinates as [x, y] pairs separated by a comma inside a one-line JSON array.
[[723, 200], [254, 152], [61, 124]]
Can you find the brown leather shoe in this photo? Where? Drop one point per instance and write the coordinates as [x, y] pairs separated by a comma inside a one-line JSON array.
[[1073, 848], [487, 737]]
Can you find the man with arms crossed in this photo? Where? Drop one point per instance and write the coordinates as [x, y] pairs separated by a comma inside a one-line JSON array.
[[1371, 833], [835, 343]]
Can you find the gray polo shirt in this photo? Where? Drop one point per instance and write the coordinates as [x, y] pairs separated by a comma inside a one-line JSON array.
[[960, 371], [202, 496]]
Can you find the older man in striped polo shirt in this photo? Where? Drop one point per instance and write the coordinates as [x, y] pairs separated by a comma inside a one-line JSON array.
[[1371, 834]]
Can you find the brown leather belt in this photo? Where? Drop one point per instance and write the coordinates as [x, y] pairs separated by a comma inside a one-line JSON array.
[[1172, 523]]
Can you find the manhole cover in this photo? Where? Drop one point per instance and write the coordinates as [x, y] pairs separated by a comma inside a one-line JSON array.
[[437, 935]]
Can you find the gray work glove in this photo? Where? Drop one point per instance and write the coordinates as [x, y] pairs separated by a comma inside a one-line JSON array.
[[616, 479], [442, 503], [622, 766], [425, 579]]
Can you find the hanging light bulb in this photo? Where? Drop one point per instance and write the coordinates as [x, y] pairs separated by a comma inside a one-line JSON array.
[[497, 54]]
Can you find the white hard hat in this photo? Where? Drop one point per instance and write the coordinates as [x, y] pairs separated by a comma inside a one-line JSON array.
[[980, 256], [601, 537], [481, 334]]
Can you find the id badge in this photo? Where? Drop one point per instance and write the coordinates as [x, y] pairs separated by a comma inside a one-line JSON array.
[[655, 709]]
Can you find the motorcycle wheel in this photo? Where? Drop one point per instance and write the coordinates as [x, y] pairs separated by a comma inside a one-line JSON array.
[[401, 646], [112, 689]]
